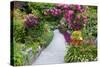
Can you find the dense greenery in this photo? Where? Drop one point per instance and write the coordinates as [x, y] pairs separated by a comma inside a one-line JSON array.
[[90, 31], [83, 53], [18, 57], [36, 37]]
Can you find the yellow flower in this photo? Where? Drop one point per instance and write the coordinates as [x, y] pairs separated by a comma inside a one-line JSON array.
[[77, 35]]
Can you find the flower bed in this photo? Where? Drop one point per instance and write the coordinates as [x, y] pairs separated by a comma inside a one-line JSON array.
[[83, 53]]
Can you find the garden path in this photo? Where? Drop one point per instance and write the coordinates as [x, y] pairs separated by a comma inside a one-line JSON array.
[[54, 53]]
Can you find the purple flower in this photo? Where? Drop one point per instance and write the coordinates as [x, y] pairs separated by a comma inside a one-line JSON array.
[[82, 10], [85, 20], [66, 7], [84, 17], [69, 16], [67, 37], [55, 9], [70, 12], [30, 21], [78, 17], [77, 26], [78, 7], [54, 12], [51, 10]]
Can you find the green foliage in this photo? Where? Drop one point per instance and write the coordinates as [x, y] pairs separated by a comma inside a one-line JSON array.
[[18, 26], [38, 8], [81, 53], [18, 57], [34, 46], [18, 29], [41, 41], [35, 31], [90, 30], [32, 38], [47, 38]]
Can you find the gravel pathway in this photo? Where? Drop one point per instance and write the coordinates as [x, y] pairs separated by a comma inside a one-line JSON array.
[[54, 53]]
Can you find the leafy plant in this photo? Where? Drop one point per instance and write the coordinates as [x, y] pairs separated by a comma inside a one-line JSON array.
[[18, 27], [17, 56], [90, 29], [81, 53]]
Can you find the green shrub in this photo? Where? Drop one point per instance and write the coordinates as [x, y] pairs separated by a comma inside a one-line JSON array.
[[18, 58], [47, 38], [90, 30], [18, 26]]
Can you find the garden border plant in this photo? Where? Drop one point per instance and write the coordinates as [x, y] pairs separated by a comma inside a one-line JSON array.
[[83, 53]]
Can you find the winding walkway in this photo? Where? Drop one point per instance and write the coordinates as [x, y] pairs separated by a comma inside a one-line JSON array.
[[54, 53]]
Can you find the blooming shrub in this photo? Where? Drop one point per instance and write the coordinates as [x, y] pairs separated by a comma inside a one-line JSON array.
[[74, 17], [73, 14], [31, 21], [53, 12]]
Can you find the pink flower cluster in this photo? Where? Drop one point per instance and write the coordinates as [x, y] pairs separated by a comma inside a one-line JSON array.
[[72, 14], [30, 21], [74, 17], [53, 12]]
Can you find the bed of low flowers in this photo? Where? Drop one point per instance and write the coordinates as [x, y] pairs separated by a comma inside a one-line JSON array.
[[83, 53]]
